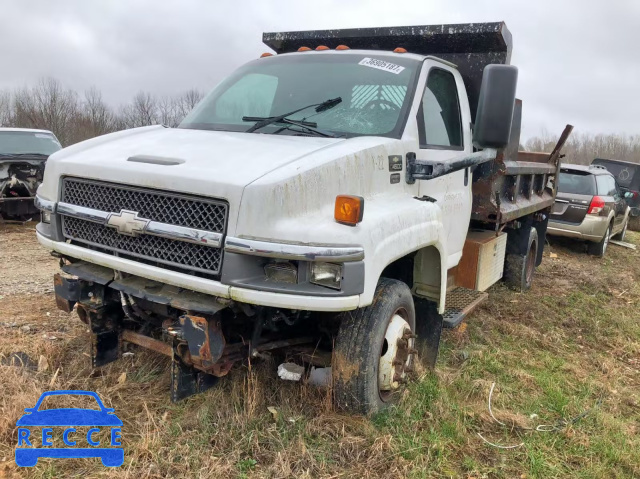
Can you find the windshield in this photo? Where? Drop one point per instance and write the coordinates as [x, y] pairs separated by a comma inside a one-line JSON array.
[[577, 183], [19, 142], [375, 93]]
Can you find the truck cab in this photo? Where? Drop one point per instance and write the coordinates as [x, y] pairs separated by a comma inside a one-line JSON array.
[[320, 196]]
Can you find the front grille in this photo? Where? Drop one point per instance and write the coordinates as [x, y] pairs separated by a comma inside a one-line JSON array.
[[164, 207], [204, 214]]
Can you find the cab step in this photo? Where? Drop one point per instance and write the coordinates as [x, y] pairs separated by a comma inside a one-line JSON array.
[[460, 303]]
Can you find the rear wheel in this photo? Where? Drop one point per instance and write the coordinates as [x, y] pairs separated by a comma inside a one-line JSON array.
[[620, 236], [519, 269], [600, 248], [375, 350]]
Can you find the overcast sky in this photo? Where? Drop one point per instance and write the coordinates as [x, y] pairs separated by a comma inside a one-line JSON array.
[[578, 59]]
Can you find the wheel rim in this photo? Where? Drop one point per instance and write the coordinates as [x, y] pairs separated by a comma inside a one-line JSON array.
[[396, 356], [531, 262]]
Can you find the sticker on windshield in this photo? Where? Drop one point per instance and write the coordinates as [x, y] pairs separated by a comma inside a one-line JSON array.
[[381, 65]]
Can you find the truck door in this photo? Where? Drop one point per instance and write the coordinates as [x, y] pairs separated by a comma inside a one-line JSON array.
[[443, 121]]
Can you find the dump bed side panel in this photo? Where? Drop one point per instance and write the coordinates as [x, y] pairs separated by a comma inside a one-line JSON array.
[[516, 183]]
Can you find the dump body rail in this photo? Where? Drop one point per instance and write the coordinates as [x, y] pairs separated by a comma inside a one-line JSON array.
[[516, 183]]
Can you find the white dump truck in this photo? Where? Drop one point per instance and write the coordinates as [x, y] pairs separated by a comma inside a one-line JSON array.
[[329, 202]]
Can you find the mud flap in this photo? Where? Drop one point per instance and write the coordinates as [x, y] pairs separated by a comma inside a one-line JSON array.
[[429, 329], [105, 339], [187, 381]]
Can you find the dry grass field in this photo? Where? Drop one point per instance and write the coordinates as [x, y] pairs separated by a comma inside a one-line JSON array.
[[566, 354]]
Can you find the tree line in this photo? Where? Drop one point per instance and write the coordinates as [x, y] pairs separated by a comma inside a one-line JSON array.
[[583, 148], [74, 117]]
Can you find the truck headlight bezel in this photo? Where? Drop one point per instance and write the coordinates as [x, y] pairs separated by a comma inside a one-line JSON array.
[[281, 272], [328, 275]]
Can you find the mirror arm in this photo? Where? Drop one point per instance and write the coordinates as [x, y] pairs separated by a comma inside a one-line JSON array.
[[428, 170]]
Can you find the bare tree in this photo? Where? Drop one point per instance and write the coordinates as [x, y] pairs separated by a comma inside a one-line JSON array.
[[6, 111], [47, 106], [584, 148], [187, 101], [97, 114], [168, 113], [143, 111]]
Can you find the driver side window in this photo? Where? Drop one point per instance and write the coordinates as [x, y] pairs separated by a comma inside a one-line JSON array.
[[439, 122]]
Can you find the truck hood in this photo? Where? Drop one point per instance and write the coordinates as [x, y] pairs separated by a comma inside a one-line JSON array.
[[198, 161], [210, 163]]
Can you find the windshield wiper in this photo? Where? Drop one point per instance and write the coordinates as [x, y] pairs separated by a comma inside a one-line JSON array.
[[304, 129], [320, 107]]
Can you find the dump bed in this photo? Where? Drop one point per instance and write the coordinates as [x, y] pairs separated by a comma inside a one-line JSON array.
[[516, 183]]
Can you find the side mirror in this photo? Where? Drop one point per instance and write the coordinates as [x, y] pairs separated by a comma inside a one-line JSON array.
[[495, 106]]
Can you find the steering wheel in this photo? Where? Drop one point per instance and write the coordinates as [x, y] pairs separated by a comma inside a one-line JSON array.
[[381, 101]]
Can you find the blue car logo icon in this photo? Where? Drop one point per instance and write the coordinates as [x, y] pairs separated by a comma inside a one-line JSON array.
[[27, 455]]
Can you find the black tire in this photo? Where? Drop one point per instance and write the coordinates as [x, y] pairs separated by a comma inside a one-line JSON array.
[[620, 236], [359, 345], [634, 223], [519, 269], [600, 248]]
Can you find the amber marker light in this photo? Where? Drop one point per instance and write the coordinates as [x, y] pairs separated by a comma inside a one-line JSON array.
[[266, 54], [400, 50], [342, 47], [322, 47], [349, 209], [304, 49]]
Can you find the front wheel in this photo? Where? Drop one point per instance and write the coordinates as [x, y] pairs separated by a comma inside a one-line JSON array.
[[600, 248], [374, 350]]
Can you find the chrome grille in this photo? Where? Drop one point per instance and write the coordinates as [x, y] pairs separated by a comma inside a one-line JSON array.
[[160, 206], [189, 255], [164, 207]]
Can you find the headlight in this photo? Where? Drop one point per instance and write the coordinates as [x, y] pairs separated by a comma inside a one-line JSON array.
[[45, 216], [326, 274], [281, 271]]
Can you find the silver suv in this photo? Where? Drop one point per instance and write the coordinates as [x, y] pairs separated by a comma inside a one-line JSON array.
[[590, 206]]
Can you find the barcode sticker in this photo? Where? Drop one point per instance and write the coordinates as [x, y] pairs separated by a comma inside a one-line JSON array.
[[381, 65]]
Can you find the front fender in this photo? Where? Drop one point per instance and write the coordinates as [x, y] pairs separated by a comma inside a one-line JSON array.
[[393, 226]]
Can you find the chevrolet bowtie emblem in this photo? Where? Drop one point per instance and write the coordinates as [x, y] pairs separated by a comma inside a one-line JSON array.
[[127, 223]]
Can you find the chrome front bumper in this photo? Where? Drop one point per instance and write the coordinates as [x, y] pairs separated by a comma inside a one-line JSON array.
[[249, 292]]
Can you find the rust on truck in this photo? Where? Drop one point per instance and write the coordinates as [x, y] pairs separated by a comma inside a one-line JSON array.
[[516, 183]]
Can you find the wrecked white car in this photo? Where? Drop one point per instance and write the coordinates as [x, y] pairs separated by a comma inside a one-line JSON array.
[[23, 153]]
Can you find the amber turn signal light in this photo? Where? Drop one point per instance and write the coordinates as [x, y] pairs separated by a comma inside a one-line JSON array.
[[400, 50], [349, 209], [266, 54]]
